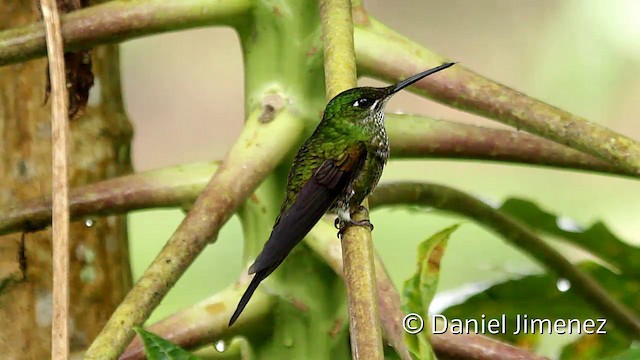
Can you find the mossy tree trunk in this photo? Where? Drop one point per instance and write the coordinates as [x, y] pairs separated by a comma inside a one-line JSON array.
[[99, 149]]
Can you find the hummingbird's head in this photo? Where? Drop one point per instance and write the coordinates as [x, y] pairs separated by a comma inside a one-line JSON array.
[[368, 103]]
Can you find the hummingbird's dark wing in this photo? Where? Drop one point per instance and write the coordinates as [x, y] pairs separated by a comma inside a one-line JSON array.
[[316, 196]]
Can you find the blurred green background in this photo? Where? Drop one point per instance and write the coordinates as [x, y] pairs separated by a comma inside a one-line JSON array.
[[184, 94]]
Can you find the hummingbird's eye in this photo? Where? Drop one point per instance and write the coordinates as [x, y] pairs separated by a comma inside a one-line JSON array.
[[363, 103]]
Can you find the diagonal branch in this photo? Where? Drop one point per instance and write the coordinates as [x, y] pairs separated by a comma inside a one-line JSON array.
[[418, 137], [448, 199], [357, 245], [262, 145], [383, 53]]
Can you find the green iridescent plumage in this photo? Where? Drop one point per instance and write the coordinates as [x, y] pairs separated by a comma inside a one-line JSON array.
[[334, 170], [341, 128]]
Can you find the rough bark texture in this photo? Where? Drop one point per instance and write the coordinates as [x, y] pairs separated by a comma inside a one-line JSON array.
[[99, 149]]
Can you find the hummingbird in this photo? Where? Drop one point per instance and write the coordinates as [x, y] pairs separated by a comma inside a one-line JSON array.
[[336, 168]]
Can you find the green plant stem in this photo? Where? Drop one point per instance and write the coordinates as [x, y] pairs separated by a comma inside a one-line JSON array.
[[448, 199], [419, 137], [385, 54], [118, 20], [262, 145], [257, 217], [357, 245]]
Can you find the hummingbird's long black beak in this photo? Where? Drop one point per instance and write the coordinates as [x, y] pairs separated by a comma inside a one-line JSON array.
[[404, 83]]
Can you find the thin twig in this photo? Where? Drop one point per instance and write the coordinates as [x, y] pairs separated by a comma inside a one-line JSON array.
[[60, 182], [448, 199], [357, 247]]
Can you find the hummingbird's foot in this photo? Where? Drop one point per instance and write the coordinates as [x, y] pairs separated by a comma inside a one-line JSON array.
[[362, 208], [366, 223], [343, 226], [336, 223]]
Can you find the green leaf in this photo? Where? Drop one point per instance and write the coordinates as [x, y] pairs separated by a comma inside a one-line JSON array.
[[420, 289], [596, 346], [525, 295], [597, 239], [631, 354], [157, 348], [538, 296]]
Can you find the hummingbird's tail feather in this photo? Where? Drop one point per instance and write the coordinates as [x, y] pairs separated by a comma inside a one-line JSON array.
[[244, 300]]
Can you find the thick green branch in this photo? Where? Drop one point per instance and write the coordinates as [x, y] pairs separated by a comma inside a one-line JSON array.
[[383, 53], [421, 137], [262, 145], [448, 199], [357, 246], [118, 20]]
